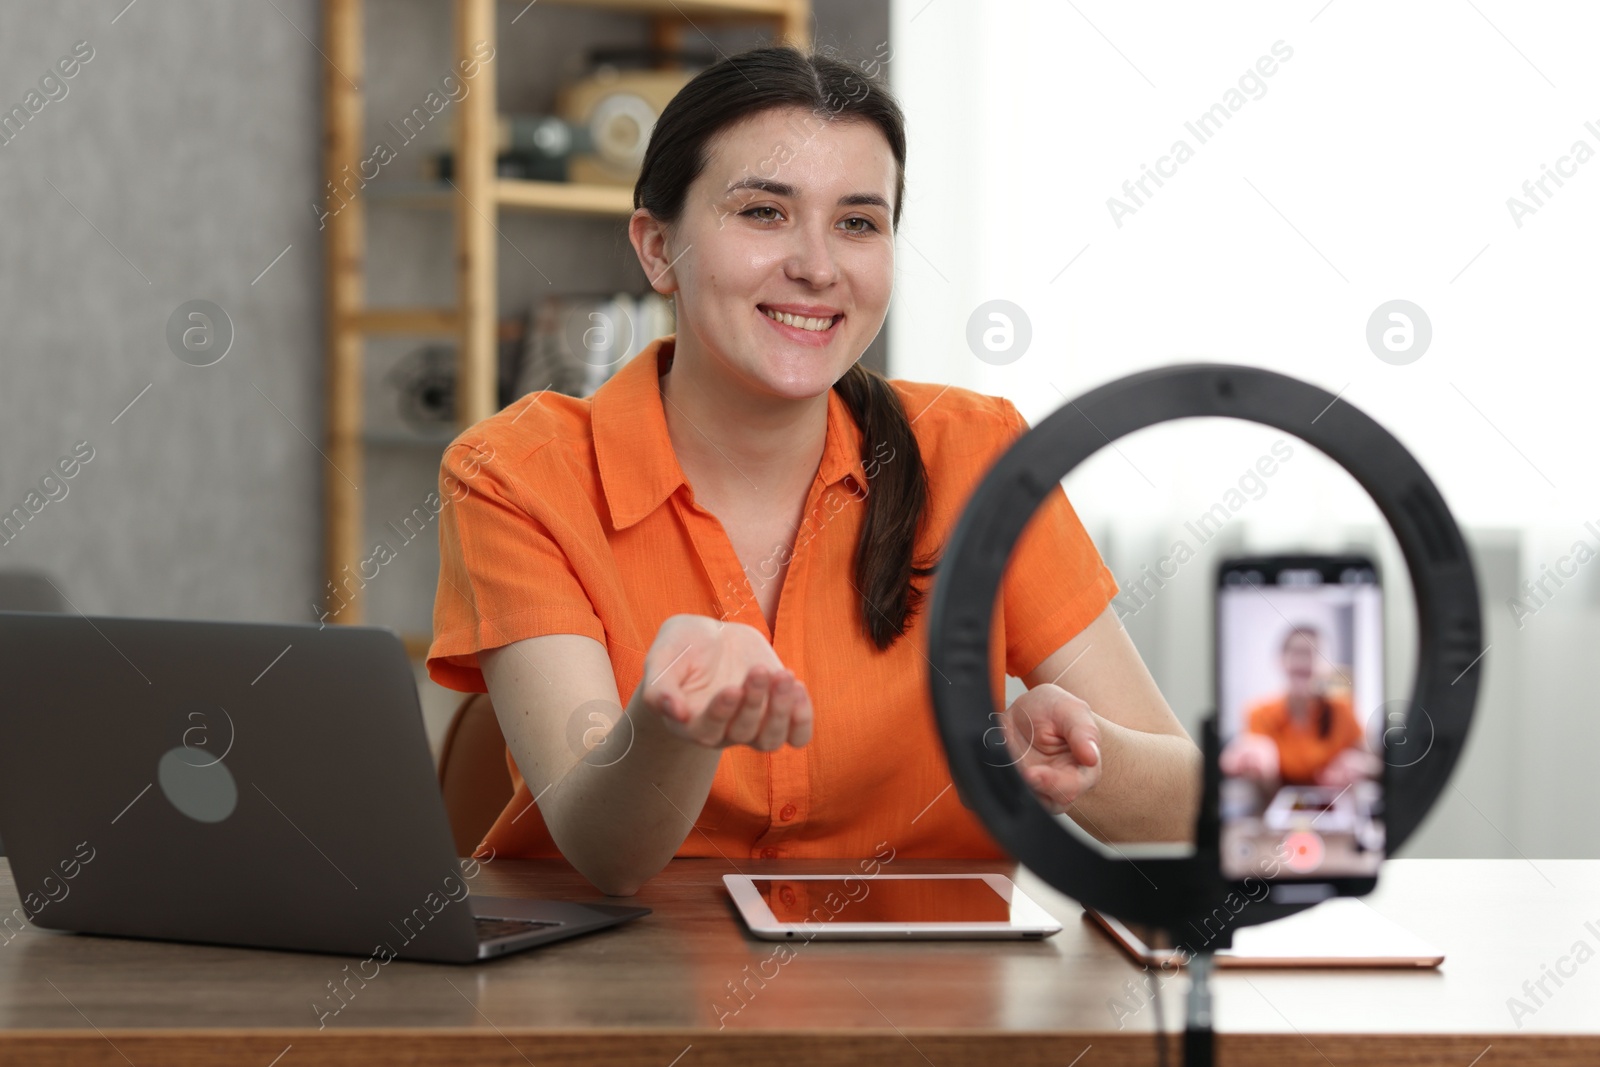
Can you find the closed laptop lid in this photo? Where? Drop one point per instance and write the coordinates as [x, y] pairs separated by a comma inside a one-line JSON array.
[[240, 783]]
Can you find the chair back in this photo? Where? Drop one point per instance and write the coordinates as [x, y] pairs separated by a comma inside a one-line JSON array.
[[472, 772]]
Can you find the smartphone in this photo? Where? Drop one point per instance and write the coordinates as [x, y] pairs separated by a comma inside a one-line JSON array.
[[1299, 678]]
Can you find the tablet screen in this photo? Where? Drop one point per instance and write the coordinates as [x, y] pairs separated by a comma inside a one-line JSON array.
[[884, 900]]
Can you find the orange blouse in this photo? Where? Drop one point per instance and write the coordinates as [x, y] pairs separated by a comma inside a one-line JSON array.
[[570, 515], [1302, 753]]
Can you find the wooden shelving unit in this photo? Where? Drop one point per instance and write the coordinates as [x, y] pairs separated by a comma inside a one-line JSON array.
[[476, 200]]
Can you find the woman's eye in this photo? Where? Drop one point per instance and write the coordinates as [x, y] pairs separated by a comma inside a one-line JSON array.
[[867, 225]]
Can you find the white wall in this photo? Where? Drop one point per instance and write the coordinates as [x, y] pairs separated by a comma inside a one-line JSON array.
[[1375, 163]]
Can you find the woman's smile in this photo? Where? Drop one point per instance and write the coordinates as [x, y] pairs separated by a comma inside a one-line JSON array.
[[802, 324]]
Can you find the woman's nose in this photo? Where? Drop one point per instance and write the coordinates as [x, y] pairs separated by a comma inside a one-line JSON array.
[[811, 259]]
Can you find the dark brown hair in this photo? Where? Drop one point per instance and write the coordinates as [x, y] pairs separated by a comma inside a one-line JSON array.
[[784, 77]]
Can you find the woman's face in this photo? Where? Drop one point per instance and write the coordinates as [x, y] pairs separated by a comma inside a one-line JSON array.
[[792, 213], [1300, 661]]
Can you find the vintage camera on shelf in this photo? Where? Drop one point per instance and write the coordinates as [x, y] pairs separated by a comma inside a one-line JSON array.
[[534, 147], [579, 340], [601, 124], [424, 380], [569, 343]]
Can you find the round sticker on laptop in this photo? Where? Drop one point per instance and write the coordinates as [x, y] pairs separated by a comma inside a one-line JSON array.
[[197, 784]]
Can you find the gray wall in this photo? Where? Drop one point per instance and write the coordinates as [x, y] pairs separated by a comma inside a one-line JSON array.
[[182, 160]]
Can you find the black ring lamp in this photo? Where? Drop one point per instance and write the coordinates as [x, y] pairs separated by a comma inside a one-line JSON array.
[[1167, 892]]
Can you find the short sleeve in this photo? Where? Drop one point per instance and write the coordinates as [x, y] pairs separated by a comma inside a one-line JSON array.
[[503, 575], [1260, 719], [1055, 583]]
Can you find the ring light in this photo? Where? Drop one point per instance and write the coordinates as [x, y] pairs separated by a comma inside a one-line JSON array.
[[1166, 892]]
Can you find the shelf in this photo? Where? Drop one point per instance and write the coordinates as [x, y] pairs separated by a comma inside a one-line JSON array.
[[761, 9], [474, 200], [518, 194], [568, 197], [443, 322]]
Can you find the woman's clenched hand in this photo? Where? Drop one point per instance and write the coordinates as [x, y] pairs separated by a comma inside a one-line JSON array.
[[1055, 742]]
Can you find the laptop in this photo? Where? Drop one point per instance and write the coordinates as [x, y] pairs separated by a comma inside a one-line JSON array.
[[258, 784]]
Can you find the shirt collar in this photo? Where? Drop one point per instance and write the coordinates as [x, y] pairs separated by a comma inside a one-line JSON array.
[[639, 469], [841, 452]]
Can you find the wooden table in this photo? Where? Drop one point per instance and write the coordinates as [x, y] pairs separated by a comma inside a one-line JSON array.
[[651, 993]]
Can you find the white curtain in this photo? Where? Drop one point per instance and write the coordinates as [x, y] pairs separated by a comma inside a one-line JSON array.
[[1333, 158]]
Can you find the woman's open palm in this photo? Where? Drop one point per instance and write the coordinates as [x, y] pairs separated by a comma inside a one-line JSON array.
[[719, 683]]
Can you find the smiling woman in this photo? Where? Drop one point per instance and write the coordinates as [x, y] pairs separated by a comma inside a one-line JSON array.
[[606, 559]]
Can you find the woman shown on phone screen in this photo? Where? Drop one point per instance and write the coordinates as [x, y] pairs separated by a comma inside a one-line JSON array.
[[1308, 735]]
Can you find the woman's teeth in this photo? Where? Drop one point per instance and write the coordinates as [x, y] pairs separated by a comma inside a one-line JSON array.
[[795, 320]]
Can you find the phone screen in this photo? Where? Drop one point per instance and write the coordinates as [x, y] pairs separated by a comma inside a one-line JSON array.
[[1299, 682]]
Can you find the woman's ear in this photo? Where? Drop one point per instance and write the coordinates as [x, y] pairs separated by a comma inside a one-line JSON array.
[[652, 243]]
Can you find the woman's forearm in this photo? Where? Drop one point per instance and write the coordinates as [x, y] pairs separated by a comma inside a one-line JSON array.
[[1149, 788], [620, 823]]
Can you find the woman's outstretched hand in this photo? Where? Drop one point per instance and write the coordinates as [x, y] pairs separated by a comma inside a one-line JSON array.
[[1354, 764], [1250, 755], [718, 683], [1055, 743]]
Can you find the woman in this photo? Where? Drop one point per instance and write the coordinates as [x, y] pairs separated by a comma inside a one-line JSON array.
[[1307, 736], [737, 532]]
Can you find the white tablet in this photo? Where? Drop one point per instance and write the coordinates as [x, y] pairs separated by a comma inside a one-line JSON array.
[[887, 906]]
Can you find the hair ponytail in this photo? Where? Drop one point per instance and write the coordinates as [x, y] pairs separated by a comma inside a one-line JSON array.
[[896, 501]]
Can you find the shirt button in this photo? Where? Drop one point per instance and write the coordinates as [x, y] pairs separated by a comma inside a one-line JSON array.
[[769, 853], [786, 895], [787, 813]]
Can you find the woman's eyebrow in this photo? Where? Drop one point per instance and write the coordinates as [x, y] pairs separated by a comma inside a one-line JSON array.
[[777, 188]]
